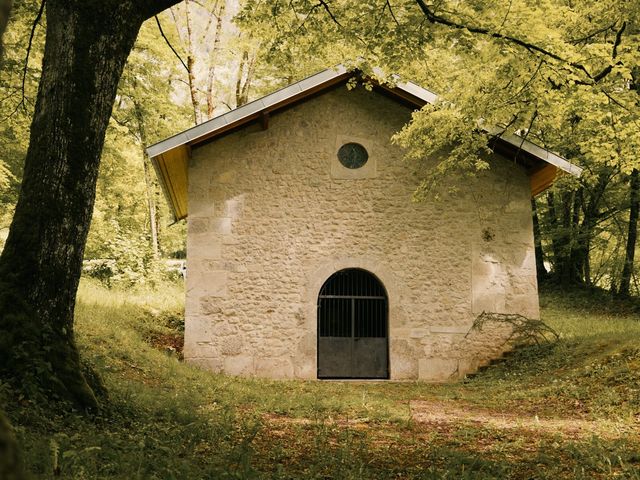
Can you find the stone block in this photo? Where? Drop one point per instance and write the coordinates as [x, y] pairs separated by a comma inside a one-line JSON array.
[[225, 178], [233, 207], [204, 348], [221, 225], [213, 364], [403, 367], [200, 246], [305, 368], [239, 365], [307, 346], [200, 205], [467, 365], [418, 333], [207, 283], [437, 369], [525, 304], [197, 329], [451, 329], [231, 345], [197, 225], [274, 367]]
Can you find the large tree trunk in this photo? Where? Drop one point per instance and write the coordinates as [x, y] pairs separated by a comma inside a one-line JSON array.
[[87, 44], [632, 234]]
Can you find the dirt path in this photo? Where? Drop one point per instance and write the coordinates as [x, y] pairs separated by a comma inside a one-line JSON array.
[[444, 413]]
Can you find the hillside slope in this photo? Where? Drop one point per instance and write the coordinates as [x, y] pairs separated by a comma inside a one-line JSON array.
[[570, 409]]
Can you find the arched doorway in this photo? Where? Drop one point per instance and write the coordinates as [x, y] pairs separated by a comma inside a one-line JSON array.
[[353, 338]]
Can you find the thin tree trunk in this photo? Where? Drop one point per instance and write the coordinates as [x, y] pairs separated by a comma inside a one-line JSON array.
[[10, 462], [243, 61], [150, 186], [587, 262], [632, 233], [211, 104], [585, 233], [553, 222], [541, 271], [244, 96], [577, 251], [191, 60], [87, 44], [5, 9], [243, 81], [568, 248]]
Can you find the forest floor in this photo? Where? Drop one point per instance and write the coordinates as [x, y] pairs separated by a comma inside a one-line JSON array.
[[568, 409]]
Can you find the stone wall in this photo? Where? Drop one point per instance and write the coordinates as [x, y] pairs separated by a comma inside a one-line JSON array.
[[272, 214]]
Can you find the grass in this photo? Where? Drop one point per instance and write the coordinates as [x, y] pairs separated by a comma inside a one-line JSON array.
[[565, 410]]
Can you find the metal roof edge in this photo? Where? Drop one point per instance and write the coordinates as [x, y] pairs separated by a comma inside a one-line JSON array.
[[537, 151], [244, 111], [417, 91]]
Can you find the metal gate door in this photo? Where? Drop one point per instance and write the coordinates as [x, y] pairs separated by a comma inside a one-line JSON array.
[[352, 326]]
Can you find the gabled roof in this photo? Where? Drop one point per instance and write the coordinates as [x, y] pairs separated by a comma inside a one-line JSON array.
[[170, 157]]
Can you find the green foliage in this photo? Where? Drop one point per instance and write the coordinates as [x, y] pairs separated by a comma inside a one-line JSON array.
[[126, 260]]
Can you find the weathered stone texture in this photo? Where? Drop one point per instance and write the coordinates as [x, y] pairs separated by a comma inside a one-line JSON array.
[[273, 214]]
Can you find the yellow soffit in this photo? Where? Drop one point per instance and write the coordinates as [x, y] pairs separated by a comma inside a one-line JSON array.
[[171, 168], [543, 178]]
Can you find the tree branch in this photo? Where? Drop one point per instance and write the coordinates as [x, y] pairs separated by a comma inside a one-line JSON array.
[[326, 7], [506, 15], [592, 34], [614, 53], [392, 14], [618, 40], [437, 19], [26, 59], [524, 137], [171, 46]]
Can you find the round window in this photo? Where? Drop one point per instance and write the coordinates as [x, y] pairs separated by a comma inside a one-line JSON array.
[[352, 155]]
